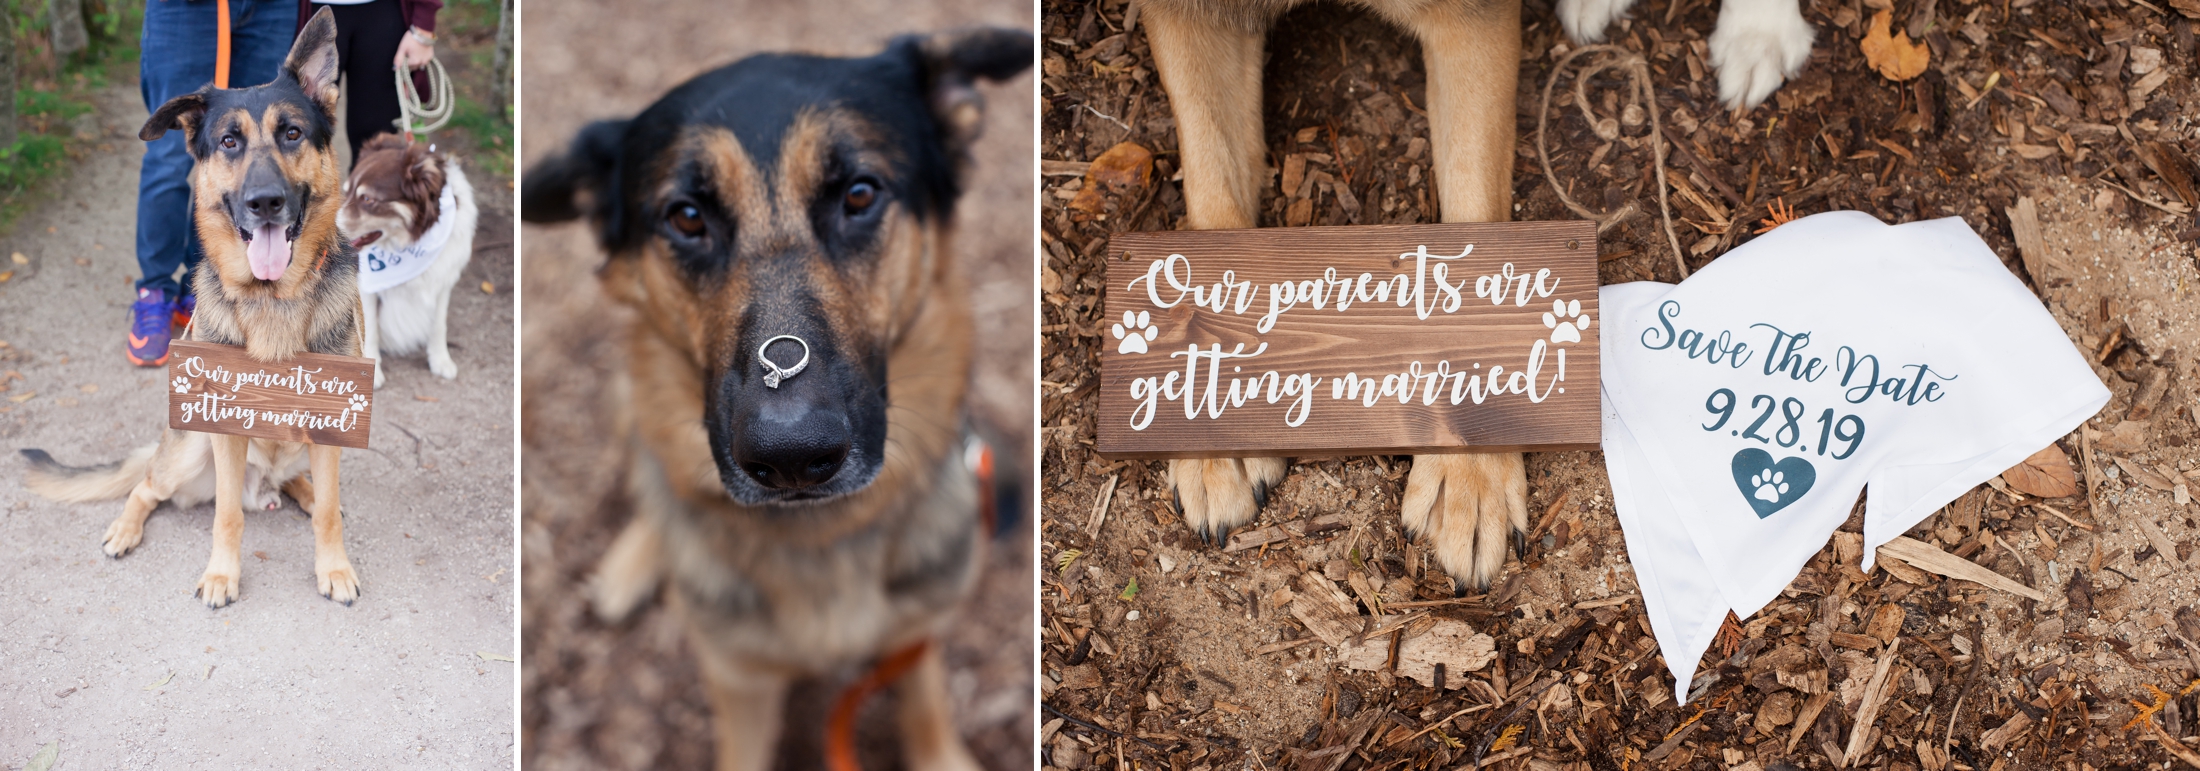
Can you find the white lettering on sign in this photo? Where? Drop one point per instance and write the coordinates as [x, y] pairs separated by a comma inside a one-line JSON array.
[[1205, 390]]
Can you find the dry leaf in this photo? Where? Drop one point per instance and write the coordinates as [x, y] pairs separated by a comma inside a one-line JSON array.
[[1896, 58], [2047, 474], [488, 288], [1122, 168], [487, 656], [19, 258], [163, 681], [45, 757]]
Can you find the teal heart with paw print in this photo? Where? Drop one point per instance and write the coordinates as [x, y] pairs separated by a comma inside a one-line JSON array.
[[1770, 486]]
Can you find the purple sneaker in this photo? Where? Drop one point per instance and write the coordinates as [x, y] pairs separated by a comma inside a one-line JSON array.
[[184, 307], [150, 318]]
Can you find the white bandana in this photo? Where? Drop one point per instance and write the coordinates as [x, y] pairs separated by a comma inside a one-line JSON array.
[[1747, 407], [382, 267]]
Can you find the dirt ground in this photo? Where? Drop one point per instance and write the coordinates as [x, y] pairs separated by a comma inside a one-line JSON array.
[[117, 662], [598, 696], [1197, 669]]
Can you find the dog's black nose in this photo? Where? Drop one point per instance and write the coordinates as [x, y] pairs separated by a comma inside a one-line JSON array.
[[267, 204], [791, 446]]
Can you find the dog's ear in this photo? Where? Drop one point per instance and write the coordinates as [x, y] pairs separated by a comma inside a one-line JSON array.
[[183, 112], [312, 61], [954, 61], [563, 187], [423, 175]]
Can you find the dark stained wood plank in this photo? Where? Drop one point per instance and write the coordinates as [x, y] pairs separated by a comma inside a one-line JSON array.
[[1399, 316], [313, 398]]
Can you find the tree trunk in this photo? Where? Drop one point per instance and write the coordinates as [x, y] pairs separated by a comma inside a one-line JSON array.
[[68, 27], [503, 91]]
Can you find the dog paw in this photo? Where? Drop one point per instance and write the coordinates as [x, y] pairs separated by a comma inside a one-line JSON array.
[[378, 373], [217, 588], [1586, 20], [338, 583], [1217, 495], [1469, 506], [122, 536], [443, 367], [1770, 485], [1758, 45]]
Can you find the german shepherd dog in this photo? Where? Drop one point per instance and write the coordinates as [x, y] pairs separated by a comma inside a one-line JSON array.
[[277, 279], [1209, 55], [782, 227]]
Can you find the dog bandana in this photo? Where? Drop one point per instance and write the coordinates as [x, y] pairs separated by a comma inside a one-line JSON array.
[[382, 267], [1747, 407]]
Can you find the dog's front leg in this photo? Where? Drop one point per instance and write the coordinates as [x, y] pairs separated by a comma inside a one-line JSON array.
[[224, 567], [1466, 503], [439, 348], [338, 581], [745, 705], [371, 346], [928, 736], [1209, 60]]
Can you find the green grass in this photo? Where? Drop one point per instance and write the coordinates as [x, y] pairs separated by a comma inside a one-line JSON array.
[[51, 91], [488, 126]]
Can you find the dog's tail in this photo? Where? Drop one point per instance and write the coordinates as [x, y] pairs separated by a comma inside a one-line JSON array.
[[70, 484]]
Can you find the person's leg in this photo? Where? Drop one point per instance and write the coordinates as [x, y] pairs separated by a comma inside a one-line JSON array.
[[369, 67], [260, 33], [177, 58]]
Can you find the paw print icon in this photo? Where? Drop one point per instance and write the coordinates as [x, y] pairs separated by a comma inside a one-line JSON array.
[[1770, 485], [181, 385], [358, 403], [1136, 331], [1566, 321]]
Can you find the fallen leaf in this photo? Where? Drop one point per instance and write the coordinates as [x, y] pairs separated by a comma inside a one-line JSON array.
[[1896, 58], [425, 398], [45, 757], [1063, 560], [5, 275], [90, 388], [19, 399], [2046, 474], [263, 557], [1130, 590], [487, 656], [488, 288], [1122, 168], [163, 681], [19, 258], [2032, 152]]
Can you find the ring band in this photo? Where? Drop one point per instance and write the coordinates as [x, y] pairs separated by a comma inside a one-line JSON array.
[[773, 373]]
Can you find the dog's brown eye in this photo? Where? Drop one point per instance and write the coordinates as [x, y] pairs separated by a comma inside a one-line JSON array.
[[687, 219], [859, 197], [229, 143], [293, 134]]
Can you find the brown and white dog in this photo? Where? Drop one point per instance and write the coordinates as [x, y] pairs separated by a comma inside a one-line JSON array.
[[393, 210]]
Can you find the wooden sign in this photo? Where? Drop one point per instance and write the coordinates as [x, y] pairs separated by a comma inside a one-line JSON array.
[[1351, 340], [316, 398]]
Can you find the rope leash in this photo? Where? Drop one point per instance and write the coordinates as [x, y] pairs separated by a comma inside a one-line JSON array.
[[431, 116], [1639, 68]]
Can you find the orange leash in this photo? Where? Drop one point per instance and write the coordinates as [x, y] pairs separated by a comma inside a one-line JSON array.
[[221, 43], [840, 728], [840, 740]]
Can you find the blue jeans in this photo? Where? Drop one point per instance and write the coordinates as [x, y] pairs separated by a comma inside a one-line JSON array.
[[176, 58]]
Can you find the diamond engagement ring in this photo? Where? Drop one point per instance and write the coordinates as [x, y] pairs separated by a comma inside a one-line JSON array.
[[773, 373]]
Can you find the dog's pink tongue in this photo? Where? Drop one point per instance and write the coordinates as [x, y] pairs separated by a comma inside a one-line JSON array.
[[269, 253]]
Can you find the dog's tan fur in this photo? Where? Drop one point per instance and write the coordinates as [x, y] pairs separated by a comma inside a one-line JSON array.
[[819, 575], [1209, 54], [308, 308]]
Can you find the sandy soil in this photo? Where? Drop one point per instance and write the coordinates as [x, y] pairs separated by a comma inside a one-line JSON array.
[[1204, 676], [626, 697], [116, 661]]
